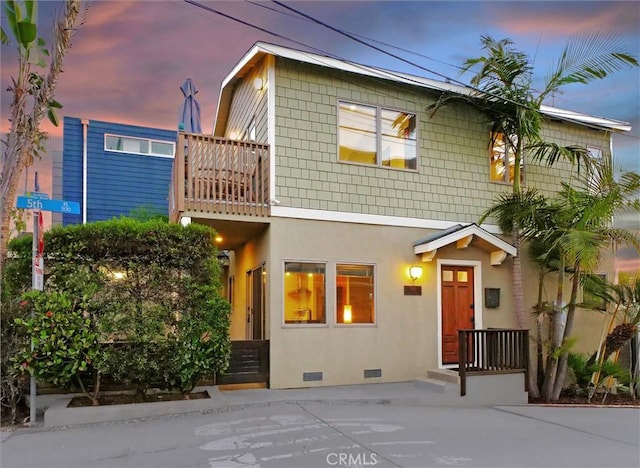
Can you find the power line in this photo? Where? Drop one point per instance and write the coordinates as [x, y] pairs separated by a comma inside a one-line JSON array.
[[412, 52], [402, 77], [360, 41], [448, 79]]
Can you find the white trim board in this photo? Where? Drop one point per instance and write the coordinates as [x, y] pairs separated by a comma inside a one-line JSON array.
[[361, 218]]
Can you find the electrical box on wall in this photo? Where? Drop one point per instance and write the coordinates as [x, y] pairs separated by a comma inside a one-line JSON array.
[[491, 298]]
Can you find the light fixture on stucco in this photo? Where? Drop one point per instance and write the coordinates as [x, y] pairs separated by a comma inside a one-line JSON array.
[[415, 272]]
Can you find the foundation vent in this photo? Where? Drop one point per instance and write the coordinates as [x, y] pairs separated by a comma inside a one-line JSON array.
[[311, 376]]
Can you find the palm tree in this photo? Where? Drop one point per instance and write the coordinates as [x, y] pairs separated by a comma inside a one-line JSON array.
[[581, 234], [531, 211], [32, 96], [505, 94]]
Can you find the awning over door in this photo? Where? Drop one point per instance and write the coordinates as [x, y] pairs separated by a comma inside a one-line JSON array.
[[464, 236]]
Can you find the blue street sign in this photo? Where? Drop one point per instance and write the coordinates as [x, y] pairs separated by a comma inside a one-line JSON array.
[[40, 195], [58, 206]]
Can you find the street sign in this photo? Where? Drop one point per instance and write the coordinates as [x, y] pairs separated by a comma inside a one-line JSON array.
[[40, 195], [57, 206]]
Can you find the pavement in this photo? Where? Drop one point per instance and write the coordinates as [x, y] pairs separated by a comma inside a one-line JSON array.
[[382, 425]]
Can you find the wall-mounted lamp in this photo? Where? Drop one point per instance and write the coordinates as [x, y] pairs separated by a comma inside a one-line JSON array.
[[223, 258], [415, 272], [347, 315], [233, 136], [258, 84]]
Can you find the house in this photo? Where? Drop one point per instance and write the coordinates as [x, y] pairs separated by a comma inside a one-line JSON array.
[[327, 181], [113, 168]]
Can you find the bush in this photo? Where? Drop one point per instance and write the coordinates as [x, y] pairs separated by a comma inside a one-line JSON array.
[[12, 380], [65, 343], [583, 368], [148, 290]]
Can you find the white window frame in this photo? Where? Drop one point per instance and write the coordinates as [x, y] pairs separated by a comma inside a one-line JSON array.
[[378, 124], [149, 143], [375, 296]]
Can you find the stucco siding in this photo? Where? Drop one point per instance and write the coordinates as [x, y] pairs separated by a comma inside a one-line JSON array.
[[403, 342]]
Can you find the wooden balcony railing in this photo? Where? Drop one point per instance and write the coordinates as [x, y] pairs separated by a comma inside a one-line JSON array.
[[493, 351], [218, 176]]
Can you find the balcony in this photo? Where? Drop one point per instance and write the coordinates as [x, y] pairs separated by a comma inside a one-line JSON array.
[[214, 176]]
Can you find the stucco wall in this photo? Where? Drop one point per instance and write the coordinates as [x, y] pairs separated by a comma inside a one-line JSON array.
[[250, 256], [403, 343]]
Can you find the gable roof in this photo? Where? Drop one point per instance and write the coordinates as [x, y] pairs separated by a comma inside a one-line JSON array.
[[261, 49], [464, 236]]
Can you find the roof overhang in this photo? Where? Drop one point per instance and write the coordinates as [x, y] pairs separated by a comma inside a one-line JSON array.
[[261, 49], [464, 236]]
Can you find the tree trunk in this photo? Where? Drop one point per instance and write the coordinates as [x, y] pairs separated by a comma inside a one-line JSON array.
[[556, 339], [24, 135], [518, 296], [568, 329]]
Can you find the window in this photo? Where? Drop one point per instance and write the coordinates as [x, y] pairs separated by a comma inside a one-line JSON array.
[[304, 293], [595, 153], [251, 130], [127, 144], [376, 136], [355, 294], [503, 159], [593, 181]]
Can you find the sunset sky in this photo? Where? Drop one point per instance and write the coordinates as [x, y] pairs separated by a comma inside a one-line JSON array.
[[129, 58]]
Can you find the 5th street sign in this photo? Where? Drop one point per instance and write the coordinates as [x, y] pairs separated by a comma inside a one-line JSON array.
[[57, 206]]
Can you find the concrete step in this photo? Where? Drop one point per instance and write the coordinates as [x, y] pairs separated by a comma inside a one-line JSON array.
[[433, 385], [445, 375]]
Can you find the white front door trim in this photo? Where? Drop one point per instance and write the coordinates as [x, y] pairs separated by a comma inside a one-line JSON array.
[[477, 298]]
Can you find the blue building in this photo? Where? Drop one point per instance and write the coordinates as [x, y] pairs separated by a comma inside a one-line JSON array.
[[112, 169]]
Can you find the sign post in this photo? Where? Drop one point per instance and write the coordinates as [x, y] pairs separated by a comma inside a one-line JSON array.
[[39, 202]]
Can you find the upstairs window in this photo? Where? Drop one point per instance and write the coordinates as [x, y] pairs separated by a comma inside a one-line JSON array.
[[376, 136], [503, 159], [125, 144]]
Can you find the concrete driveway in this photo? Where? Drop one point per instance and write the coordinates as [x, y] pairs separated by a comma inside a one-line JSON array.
[[342, 434]]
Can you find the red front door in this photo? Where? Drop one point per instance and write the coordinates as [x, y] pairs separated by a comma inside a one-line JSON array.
[[457, 308]]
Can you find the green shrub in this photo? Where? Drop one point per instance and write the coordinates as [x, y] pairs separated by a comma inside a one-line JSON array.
[[12, 379], [583, 369], [65, 343], [148, 290]]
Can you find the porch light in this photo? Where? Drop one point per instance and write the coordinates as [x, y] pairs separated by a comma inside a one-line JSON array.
[[258, 84], [218, 239], [347, 315], [233, 136], [415, 272]]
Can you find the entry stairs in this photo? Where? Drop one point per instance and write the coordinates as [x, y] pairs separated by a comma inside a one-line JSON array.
[[443, 387]]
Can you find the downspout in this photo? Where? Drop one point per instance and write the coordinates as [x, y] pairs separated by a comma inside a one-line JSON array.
[[85, 125]]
